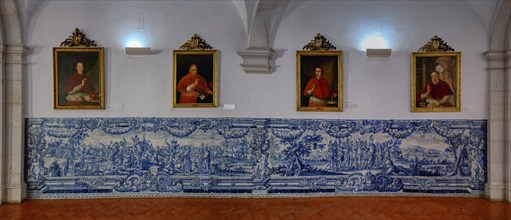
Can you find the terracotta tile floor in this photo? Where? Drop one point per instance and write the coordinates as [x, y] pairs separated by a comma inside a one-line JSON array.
[[261, 208]]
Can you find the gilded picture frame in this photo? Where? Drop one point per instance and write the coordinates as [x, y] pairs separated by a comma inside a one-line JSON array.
[[78, 78], [195, 78], [436, 82], [319, 81]]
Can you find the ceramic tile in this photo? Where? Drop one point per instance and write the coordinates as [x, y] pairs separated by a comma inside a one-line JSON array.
[[111, 157]]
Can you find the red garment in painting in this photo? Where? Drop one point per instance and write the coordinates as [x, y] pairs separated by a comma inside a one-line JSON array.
[[321, 93], [69, 87], [191, 96], [438, 91]]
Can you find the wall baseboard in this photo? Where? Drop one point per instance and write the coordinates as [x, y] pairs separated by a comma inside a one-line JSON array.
[[15, 193]]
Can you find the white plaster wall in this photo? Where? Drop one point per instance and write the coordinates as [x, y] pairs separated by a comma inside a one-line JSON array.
[[374, 88]]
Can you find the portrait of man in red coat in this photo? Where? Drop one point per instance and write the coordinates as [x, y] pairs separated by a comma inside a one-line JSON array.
[[435, 82], [193, 86], [79, 89], [78, 78], [319, 81], [318, 90], [435, 93], [194, 80]]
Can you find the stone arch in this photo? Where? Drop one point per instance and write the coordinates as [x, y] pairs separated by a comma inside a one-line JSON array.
[[12, 185], [499, 38], [498, 186]]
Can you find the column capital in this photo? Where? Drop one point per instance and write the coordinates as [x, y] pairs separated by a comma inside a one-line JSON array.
[[256, 60], [13, 53], [495, 54], [497, 59], [14, 48]]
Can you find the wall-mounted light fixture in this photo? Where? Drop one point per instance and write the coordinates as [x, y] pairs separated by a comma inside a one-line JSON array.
[[381, 53], [135, 43], [138, 51], [375, 45]]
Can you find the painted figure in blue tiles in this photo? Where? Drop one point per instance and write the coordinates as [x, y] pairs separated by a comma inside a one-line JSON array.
[[340, 155], [55, 169]]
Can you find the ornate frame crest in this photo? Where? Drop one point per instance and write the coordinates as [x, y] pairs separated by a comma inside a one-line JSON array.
[[436, 44], [195, 43], [319, 43], [202, 91], [436, 78], [78, 39], [78, 74]]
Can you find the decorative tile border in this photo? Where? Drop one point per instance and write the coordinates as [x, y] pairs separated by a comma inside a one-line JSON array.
[[188, 157]]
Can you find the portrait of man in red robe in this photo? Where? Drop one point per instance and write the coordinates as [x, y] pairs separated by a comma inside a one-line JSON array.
[[436, 82], [318, 90], [319, 81], [436, 93], [79, 89], [193, 86], [78, 78], [195, 78]]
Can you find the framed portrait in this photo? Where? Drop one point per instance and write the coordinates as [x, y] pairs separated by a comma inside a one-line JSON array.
[[195, 78], [78, 78], [436, 82], [319, 81]]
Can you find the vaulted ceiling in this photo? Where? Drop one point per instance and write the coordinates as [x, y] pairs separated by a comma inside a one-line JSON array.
[[271, 12]]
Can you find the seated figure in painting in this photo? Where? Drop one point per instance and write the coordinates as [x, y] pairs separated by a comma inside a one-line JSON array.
[[79, 89], [193, 86], [436, 93]]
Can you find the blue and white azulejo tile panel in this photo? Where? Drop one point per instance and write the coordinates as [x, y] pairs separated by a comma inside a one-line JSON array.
[[116, 157]]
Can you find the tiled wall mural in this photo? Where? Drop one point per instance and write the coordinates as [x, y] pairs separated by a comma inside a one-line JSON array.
[[112, 157]]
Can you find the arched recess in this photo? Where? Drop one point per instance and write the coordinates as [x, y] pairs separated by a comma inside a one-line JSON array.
[[498, 186], [12, 185]]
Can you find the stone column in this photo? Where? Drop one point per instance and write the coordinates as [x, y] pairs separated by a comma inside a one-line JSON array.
[[12, 186], [497, 105], [498, 186], [13, 120], [495, 185]]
